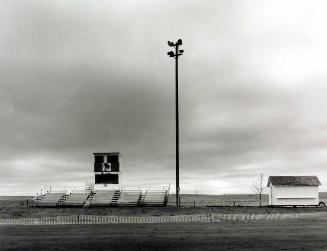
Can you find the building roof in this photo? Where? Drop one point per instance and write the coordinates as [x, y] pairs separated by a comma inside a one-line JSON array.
[[293, 181], [107, 153]]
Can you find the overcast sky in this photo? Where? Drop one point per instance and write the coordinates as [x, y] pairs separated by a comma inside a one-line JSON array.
[[78, 77]]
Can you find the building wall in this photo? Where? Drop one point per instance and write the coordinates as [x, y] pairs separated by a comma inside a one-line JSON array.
[[293, 195]]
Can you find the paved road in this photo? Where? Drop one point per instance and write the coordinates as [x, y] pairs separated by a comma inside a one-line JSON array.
[[290, 235]]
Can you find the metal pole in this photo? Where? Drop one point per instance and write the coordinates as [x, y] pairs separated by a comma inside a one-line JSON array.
[[176, 54], [177, 128]]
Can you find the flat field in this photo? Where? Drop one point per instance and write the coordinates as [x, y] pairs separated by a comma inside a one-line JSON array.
[[278, 235], [16, 207], [270, 235]]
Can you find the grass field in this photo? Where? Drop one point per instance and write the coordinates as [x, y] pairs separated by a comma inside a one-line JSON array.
[[292, 235], [15, 207], [270, 235]]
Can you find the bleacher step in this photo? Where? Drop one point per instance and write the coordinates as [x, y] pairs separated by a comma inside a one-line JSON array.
[[87, 203]]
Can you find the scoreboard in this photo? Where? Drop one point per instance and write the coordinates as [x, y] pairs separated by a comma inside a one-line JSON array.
[[107, 170]]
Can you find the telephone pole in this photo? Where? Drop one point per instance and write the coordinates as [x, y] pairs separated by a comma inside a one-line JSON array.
[[175, 55]]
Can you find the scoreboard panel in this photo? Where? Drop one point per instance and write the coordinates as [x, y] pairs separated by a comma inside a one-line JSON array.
[[106, 170]]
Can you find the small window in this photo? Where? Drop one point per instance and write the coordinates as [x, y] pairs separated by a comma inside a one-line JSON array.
[[112, 158], [106, 179], [99, 159]]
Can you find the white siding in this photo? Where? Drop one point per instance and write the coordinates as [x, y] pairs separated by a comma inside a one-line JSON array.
[[293, 195]]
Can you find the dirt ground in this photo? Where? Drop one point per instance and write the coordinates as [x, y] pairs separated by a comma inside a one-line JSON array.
[[18, 209], [289, 235]]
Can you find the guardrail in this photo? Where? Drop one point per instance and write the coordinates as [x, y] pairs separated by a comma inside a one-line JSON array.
[[214, 218]]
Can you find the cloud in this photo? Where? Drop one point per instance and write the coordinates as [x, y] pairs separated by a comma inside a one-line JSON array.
[[94, 76]]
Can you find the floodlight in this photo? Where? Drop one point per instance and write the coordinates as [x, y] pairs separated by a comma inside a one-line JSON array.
[[170, 54], [170, 43], [179, 41], [181, 51]]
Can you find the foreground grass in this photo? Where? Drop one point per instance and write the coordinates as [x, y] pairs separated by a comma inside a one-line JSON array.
[[289, 235]]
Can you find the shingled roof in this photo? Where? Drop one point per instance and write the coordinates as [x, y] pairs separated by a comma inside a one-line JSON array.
[[293, 181]]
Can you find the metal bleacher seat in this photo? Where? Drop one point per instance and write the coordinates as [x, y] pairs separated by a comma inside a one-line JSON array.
[[76, 198], [155, 198], [50, 199], [129, 198], [103, 198]]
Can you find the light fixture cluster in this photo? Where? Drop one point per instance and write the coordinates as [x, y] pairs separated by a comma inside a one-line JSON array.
[[177, 51]]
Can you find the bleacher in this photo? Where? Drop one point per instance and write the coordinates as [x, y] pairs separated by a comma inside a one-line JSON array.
[[50, 199], [86, 198], [105, 198], [129, 198], [76, 198], [155, 198]]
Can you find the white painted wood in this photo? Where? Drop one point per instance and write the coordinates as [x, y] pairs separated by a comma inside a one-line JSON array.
[[293, 195]]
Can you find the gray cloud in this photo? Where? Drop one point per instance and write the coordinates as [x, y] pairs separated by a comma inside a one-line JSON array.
[[77, 78]]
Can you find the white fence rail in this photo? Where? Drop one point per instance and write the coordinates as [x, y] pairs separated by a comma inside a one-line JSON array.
[[96, 219]]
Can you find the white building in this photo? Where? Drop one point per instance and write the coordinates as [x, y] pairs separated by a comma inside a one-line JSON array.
[[293, 190]]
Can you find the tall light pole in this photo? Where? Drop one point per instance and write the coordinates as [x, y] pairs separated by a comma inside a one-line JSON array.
[[175, 55]]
